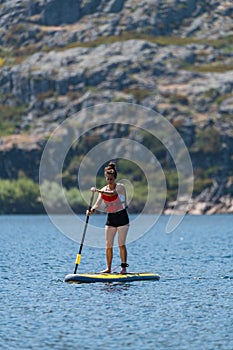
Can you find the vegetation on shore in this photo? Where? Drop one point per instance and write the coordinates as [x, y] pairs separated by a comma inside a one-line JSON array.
[[195, 54]]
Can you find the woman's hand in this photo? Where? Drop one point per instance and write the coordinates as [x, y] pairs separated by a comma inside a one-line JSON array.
[[94, 189], [89, 212]]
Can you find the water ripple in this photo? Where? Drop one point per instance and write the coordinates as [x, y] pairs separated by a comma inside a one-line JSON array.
[[189, 308]]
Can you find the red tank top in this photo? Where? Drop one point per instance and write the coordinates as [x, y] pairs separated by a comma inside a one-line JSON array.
[[112, 203]]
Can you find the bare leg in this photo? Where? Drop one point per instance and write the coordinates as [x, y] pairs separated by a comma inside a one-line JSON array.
[[109, 256], [110, 232], [122, 233], [123, 253]]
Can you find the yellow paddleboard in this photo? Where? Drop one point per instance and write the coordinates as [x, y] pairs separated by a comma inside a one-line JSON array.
[[111, 277]]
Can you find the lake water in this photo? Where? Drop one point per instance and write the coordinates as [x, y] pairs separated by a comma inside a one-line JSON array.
[[191, 307]]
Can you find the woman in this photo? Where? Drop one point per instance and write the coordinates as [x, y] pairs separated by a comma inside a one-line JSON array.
[[114, 197]]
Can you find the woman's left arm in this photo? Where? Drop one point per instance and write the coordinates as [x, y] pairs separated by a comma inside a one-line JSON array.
[[108, 193], [120, 188]]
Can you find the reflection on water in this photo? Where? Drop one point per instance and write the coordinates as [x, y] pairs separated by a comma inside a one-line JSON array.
[[116, 287]]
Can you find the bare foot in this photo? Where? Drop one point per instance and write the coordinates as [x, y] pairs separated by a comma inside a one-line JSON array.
[[106, 271], [124, 266]]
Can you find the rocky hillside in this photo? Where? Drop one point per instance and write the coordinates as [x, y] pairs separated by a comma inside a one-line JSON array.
[[176, 57]]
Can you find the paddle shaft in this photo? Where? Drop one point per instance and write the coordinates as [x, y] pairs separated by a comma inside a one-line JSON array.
[[78, 258]]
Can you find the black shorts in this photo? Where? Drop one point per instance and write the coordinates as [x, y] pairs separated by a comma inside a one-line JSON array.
[[120, 218]]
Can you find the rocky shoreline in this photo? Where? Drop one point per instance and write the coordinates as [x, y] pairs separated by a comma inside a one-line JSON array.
[[174, 57], [224, 205]]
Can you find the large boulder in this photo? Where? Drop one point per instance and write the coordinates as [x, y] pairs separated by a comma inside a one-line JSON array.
[[58, 12]]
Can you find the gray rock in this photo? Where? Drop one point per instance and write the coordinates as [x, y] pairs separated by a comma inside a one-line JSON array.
[[226, 106], [58, 12], [90, 6], [115, 6]]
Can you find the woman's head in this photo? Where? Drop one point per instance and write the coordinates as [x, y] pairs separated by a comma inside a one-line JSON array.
[[110, 171]]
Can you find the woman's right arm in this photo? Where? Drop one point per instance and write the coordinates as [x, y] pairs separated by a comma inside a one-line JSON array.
[[95, 206], [97, 203]]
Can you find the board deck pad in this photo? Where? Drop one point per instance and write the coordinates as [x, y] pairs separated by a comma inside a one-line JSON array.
[[111, 277]]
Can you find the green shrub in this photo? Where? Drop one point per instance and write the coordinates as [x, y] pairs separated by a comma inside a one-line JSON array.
[[19, 197], [172, 184], [153, 144], [208, 140], [179, 98], [219, 67], [10, 118], [57, 201], [76, 200], [139, 94], [201, 184]]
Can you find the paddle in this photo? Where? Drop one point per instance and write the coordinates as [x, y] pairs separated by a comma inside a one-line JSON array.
[[78, 258]]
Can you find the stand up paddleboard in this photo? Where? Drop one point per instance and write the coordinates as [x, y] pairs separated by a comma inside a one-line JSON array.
[[111, 277], [104, 277]]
